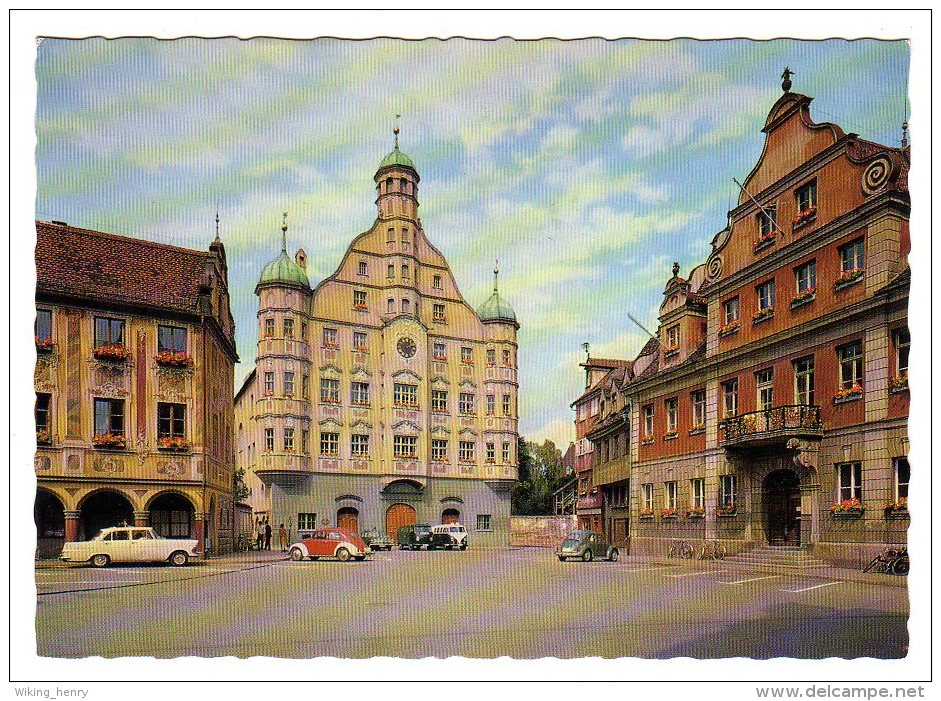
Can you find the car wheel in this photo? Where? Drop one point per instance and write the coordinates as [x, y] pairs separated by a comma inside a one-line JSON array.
[[179, 558], [343, 554], [100, 560], [614, 555], [463, 546], [586, 556], [296, 554]]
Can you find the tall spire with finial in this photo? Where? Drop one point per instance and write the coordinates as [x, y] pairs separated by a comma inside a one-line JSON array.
[[395, 131], [217, 222], [284, 232], [496, 272]]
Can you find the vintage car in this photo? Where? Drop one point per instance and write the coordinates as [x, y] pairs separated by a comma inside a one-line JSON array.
[[340, 543], [413, 537], [452, 536], [586, 545], [130, 544], [377, 540]]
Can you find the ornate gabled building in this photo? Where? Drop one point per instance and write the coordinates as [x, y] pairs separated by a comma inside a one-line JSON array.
[[134, 377], [771, 408], [380, 397]]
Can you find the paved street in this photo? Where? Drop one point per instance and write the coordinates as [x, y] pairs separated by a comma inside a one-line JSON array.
[[522, 603]]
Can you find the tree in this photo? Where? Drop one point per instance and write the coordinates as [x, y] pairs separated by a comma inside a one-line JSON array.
[[540, 474], [240, 490]]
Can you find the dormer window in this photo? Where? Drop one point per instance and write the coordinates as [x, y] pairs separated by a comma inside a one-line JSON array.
[[673, 338]]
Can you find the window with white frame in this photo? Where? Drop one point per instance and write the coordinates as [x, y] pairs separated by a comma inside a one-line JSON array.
[[269, 440], [330, 444], [404, 394], [699, 408], [405, 446], [439, 401], [903, 341], [506, 404], [764, 384], [673, 337], [439, 450], [648, 421], [288, 382], [439, 352], [438, 310], [359, 445], [491, 404], [730, 311], [697, 493], [491, 452], [467, 354], [466, 403], [306, 522], [359, 393], [483, 522], [730, 398], [269, 328], [669, 495], [648, 497], [671, 406], [436, 282], [288, 327], [289, 440], [805, 277], [362, 267], [849, 481], [465, 451], [767, 219], [852, 256], [329, 390], [330, 338], [903, 473], [727, 492], [765, 292], [506, 452], [804, 381], [269, 383], [359, 298], [806, 196], [359, 340], [850, 357]]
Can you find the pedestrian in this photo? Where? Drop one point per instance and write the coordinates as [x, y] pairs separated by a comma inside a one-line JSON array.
[[260, 536], [283, 538], [267, 535], [254, 540]]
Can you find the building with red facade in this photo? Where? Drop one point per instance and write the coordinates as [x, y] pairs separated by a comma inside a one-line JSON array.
[[772, 406]]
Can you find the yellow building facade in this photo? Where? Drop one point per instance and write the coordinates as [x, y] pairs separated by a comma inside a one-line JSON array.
[[380, 397], [134, 381]]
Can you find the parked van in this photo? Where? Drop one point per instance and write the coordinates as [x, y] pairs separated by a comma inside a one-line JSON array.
[[449, 535], [413, 537]]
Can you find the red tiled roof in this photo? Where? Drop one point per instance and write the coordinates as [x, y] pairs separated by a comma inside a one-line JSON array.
[[607, 363], [116, 270]]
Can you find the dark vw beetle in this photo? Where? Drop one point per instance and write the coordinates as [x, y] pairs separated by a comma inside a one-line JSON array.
[[586, 545]]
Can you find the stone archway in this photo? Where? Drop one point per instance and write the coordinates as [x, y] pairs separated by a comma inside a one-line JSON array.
[[399, 515], [49, 516], [103, 509], [172, 515]]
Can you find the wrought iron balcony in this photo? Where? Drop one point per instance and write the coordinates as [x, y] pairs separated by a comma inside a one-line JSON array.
[[772, 425]]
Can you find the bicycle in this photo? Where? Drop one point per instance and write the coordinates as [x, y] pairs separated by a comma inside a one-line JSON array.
[[684, 550], [890, 561], [718, 550]]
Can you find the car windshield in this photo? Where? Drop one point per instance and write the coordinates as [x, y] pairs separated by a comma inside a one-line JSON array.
[[422, 529]]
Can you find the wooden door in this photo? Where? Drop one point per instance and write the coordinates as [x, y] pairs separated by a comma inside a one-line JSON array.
[[399, 515], [782, 508], [348, 518], [451, 516]]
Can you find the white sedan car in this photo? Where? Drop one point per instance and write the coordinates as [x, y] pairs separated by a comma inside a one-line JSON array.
[[129, 544]]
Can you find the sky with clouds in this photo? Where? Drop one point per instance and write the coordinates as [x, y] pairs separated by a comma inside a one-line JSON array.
[[586, 167]]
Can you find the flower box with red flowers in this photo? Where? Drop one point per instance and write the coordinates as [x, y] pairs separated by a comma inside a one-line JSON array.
[[112, 353], [763, 315], [172, 443], [113, 441], [667, 513], [848, 277], [805, 216], [441, 358], [764, 241], [899, 383], [696, 512], [44, 345], [467, 361], [440, 319], [847, 507], [43, 435], [360, 307], [173, 359], [848, 394], [331, 345], [491, 461], [465, 461], [727, 510], [647, 441], [896, 509], [359, 402], [670, 351], [405, 405], [803, 298], [670, 436], [361, 349], [646, 513], [729, 328]]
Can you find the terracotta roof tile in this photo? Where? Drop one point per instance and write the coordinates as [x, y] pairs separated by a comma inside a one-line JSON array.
[[113, 269]]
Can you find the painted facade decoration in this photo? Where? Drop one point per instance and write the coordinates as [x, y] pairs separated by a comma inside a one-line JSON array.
[[134, 379]]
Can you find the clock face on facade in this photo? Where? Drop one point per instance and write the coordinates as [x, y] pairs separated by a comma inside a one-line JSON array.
[[406, 347]]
